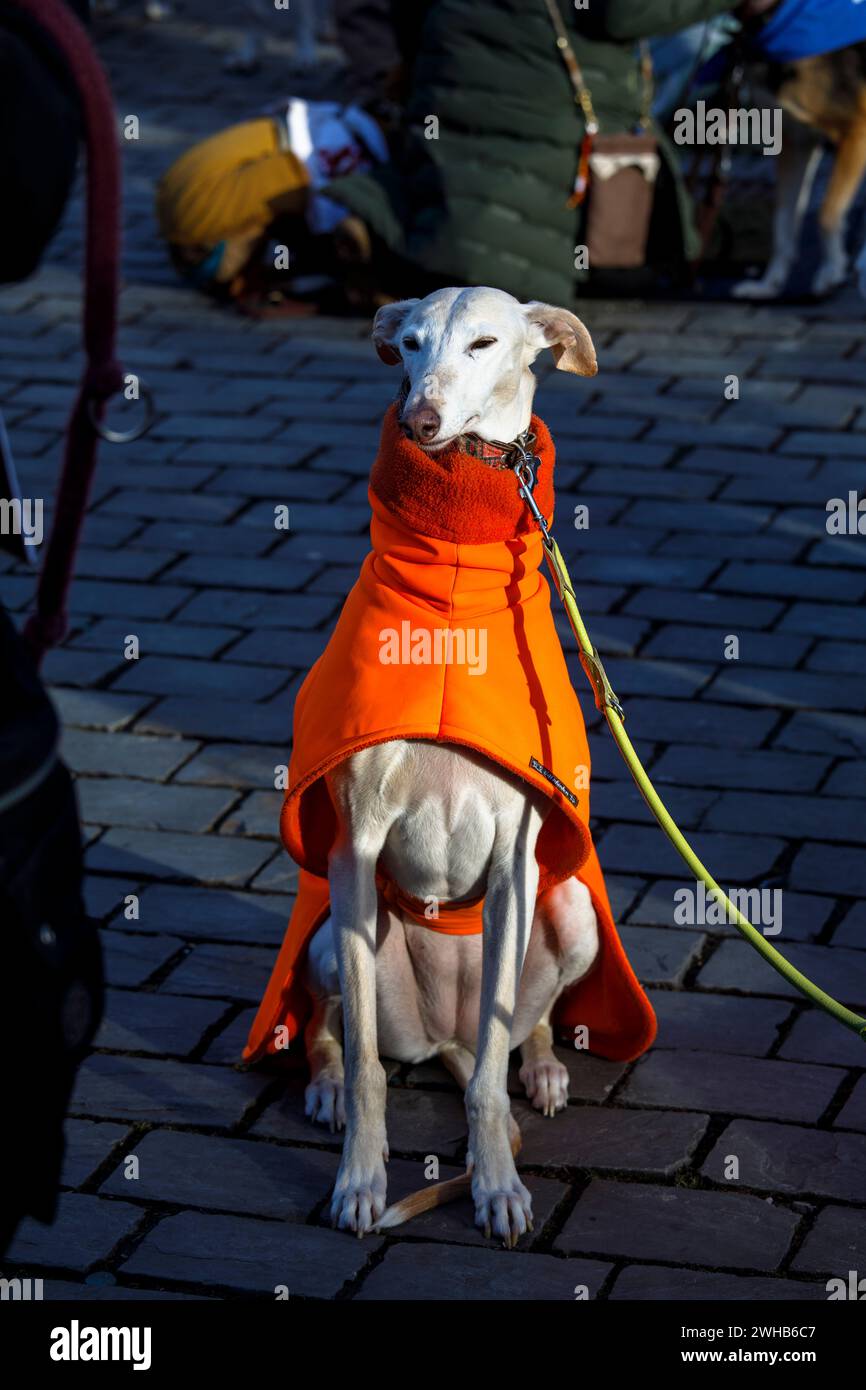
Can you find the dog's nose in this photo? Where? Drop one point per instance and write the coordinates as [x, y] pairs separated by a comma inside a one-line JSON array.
[[422, 424]]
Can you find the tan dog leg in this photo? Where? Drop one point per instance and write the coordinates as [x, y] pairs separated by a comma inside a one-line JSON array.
[[849, 166]]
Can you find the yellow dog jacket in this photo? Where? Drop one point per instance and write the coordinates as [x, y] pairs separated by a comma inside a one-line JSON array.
[[448, 636]]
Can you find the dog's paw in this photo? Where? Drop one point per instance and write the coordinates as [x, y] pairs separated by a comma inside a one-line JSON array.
[[324, 1101], [359, 1199], [546, 1085], [503, 1211], [767, 287]]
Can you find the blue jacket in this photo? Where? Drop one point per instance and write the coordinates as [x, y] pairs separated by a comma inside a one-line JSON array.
[[807, 28]]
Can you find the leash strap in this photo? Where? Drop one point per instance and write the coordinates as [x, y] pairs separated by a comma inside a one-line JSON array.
[[607, 702], [102, 377]]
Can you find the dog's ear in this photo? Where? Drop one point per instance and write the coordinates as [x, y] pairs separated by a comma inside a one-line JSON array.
[[386, 325], [563, 332]]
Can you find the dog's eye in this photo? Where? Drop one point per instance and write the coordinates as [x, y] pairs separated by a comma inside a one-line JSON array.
[[410, 344], [481, 343]]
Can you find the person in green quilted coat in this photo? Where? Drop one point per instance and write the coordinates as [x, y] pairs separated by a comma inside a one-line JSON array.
[[488, 151]]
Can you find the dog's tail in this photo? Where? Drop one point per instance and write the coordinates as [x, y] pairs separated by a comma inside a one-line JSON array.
[[441, 1192]]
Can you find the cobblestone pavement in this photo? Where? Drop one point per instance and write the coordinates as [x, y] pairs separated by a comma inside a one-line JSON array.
[[707, 519]]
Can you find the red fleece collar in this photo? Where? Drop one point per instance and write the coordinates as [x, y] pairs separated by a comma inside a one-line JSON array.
[[454, 496]]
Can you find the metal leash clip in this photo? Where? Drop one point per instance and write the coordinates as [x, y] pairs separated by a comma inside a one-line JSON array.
[[526, 472]]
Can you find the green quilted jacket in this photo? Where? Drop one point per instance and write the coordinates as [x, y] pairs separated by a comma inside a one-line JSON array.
[[485, 201]]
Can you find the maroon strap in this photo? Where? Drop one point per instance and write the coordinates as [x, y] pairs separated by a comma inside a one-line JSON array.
[[102, 374]]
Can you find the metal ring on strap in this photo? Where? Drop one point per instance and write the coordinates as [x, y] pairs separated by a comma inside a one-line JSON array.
[[112, 436]]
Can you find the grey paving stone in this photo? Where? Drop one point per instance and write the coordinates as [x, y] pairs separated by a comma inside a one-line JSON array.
[[424, 1272], [847, 779], [733, 1085], [853, 1113], [103, 895], [852, 930], [248, 571], [258, 814], [129, 601], [286, 651], [249, 608], [780, 1158], [159, 639], [835, 1244], [789, 815], [217, 719], [235, 765], [114, 801], [723, 1023], [661, 1284], [714, 726], [734, 613], [731, 858], [816, 1037], [155, 1023], [88, 1144], [284, 1118], [605, 1138], [164, 507], [659, 956], [786, 689], [843, 869], [131, 959], [84, 1233], [221, 970], [621, 801], [679, 642], [825, 620], [202, 539], [801, 916], [425, 1122], [635, 482], [759, 768], [834, 444], [63, 666], [97, 709], [163, 675], [235, 1175], [215, 914], [838, 656], [61, 1291], [679, 1225], [278, 876], [124, 755], [141, 1088], [251, 1255], [227, 1047], [736, 966], [153, 853]]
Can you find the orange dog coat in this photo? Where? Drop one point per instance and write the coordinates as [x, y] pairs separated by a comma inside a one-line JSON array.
[[448, 636]]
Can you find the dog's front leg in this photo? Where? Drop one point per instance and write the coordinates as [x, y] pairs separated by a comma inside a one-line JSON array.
[[503, 1206], [359, 1192]]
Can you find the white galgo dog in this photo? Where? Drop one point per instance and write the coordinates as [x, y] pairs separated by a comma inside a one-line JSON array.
[[444, 821]]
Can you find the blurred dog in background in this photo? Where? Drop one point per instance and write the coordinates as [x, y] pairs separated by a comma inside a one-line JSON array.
[[810, 59]]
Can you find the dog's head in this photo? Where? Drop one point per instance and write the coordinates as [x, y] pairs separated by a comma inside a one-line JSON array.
[[466, 355]]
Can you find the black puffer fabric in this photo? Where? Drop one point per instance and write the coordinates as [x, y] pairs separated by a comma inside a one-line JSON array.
[[490, 148]]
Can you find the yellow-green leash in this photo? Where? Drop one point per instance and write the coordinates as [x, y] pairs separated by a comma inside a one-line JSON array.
[[610, 706]]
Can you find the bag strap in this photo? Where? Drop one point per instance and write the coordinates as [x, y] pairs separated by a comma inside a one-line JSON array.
[[582, 94]]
